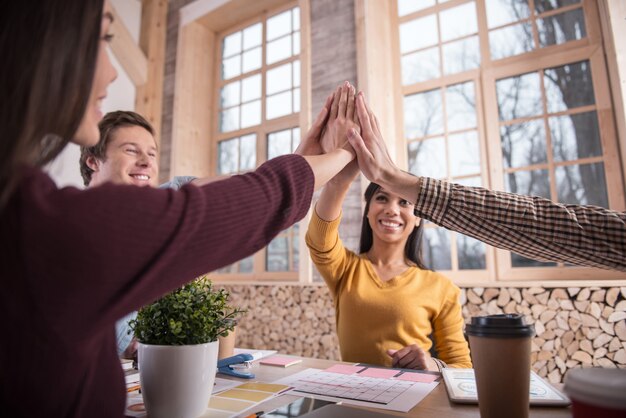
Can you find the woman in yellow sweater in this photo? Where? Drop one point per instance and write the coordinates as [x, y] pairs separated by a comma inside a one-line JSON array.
[[387, 303]]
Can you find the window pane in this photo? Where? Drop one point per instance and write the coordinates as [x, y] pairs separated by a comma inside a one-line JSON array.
[[501, 12], [583, 184], [423, 114], [248, 152], [531, 183], [252, 36], [523, 144], [461, 106], [521, 261], [251, 60], [279, 25], [519, 97], [278, 105], [278, 143], [296, 100], [296, 18], [568, 86], [245, 265], [295, 138], [231, 67], [436, 249], [251, 88], [409, 6], [458, 21], [251, 114], [511, 40], [420, 66], [296, 73], [228, 269], [278, 79], [575, 136], [229, 119], [470, 182], [546, 5], [471, 253], [561, 28], [464, 153], [279, 49], [278, 254], [418, 33], [230, 94], [228, 152], [428, 158], [231, 45], [461, 55], [296, 247], [296, 43]]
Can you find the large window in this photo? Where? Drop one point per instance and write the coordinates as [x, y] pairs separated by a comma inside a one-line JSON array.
[[511, 95], [258, 101]]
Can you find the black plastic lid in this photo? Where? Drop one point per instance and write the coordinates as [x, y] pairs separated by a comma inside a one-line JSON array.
[[500, 326]]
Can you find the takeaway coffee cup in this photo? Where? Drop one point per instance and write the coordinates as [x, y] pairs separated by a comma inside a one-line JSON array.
[[597, 392], [500, 347]]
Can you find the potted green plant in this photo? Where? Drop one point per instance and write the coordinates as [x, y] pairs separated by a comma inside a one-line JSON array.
[[178, 347]]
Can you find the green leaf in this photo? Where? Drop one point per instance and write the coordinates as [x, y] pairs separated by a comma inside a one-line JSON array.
[[191, 314]]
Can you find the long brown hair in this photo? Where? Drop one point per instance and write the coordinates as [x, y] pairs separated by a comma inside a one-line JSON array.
[[50, 50]]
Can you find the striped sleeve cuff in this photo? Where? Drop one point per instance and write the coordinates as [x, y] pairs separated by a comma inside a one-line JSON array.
[[433, 199]]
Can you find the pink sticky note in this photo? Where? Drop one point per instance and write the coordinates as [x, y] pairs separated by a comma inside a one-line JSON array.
[[280, 361], [374, 372], [418, 377], [344, 369]]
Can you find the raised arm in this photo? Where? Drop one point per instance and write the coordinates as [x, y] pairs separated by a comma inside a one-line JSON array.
[[341, 120], [325, 163]]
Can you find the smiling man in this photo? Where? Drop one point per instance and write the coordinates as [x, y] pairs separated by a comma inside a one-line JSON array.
[[126, 154]]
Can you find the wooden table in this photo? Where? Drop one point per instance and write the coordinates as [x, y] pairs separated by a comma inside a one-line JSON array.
[[436, 404]]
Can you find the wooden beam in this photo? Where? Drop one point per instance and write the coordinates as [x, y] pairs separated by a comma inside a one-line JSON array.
[[377, 48], [191, 127], [149, 96], [613, 17], [127, 52]]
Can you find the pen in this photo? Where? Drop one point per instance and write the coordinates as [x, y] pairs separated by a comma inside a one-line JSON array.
[[256, 414], [133, 388]]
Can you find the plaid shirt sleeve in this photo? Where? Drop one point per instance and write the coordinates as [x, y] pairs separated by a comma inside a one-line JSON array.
[[531, 226]]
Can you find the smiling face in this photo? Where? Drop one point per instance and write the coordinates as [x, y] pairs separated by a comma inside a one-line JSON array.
[[391, 217], [87, 133], [131, 158]]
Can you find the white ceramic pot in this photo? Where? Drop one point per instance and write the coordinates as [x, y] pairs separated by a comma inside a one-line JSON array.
[[176, 381]]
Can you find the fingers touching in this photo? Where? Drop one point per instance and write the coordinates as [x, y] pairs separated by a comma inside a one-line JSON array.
[[409, 357]]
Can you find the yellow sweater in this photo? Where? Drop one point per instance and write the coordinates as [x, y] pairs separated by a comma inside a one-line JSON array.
[[374, 316]]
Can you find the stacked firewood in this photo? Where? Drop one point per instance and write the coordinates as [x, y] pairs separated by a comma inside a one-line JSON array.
[[575, 327]]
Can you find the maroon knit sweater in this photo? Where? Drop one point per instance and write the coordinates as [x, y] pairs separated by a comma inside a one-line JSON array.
[[73, 261]]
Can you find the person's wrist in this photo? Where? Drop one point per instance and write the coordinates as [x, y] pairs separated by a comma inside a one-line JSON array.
[[438, 364], [391, 176]]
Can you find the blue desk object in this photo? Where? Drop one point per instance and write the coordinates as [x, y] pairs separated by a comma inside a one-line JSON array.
[[225, 366]]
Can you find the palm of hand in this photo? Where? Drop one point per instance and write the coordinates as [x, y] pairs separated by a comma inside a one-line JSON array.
[[336, 133]]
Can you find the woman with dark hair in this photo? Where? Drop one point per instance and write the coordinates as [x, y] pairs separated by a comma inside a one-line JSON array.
[[74, 261], [387, 303]]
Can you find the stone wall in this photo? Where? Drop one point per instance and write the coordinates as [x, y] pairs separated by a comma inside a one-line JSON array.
[[575, 327], [169, 82]]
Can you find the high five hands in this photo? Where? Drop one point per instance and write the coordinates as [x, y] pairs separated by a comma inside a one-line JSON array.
[[346, 121]]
